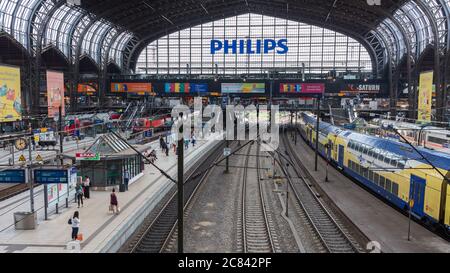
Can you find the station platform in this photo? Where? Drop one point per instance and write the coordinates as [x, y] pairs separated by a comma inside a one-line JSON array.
[[376, 219], [102, 230]]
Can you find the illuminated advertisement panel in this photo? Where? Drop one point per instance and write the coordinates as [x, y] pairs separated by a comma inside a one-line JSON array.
[[302, 88], [10, 94], [243, 88], [55, 93], [186, 87], [425, 96], [87, 88], [131, 87]]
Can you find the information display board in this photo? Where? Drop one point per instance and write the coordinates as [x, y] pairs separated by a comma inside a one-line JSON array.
[[51, 176], [12, 176], [243, 88]]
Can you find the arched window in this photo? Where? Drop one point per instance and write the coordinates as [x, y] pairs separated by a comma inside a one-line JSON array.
[[189, 50]]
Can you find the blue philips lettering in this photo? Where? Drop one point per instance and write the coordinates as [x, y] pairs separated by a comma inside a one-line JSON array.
[[249, 46], [216, 45], [282, 44], [227, 46], [258, 46], [269, 45], [241, 46]]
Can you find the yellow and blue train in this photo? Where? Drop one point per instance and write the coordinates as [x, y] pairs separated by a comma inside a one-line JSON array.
[[392, 169]]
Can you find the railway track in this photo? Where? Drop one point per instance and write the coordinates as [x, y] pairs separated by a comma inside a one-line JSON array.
[[158, 231], [330, 233], [12, 190], [256, 233]]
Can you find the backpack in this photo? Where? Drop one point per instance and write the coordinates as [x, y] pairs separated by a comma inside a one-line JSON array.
[[70, 221]]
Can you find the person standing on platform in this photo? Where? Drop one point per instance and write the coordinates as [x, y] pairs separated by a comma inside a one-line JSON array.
[[161, 142], [87, 184], [79, 194], [165, 148], [186, 144], [174, 146], [114, 204], [75, 222], [193, 141], [126, 178]]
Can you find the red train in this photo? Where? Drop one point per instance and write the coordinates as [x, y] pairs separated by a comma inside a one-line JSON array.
[[145, 124]]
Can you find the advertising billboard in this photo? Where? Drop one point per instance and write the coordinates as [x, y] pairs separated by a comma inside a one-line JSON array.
[[243, 88], [366, 88], [87, 88], [131, 87], [10, 94], [302, 88], [425, 96], [55, 93], [186, 87]]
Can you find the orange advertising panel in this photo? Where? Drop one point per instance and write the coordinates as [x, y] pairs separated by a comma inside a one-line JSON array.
[[135, 87], [87, 88], [55, 93]]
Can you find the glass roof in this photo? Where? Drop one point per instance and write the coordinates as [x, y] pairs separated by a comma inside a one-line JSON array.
[[67, 23], [321, 50]]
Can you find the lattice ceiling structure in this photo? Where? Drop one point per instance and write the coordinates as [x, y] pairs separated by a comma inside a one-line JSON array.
[[398, 34]]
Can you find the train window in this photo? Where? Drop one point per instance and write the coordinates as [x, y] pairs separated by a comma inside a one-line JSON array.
[[365, 172], [395, 188], [370, 175], [382, 181], [357, 168], [437, 140], [351, 145], [401, 164], [388, 184], [381, 157], [350, 165], [387, 160], [370, 153], [376, 178], [365, 150]]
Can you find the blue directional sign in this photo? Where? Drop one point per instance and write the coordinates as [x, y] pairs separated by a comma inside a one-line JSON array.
[[12, 176], [43, 176]]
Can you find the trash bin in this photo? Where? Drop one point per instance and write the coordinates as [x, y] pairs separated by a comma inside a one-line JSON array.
[[25, 220], [122, 188]]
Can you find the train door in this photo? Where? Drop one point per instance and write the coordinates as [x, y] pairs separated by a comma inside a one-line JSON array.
[[341, 156], [417, 193], [329, 148], [310, 135]]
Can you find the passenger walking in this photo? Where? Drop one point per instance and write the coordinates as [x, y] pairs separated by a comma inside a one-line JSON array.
[[126, 178], [87, 185], [79, 194], [114, 204], [186, 144], [193, 141], [75, 222], [161, 142], [165, 149], [174, 146]]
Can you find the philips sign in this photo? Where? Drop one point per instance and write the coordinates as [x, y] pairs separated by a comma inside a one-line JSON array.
[[249, 46]]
